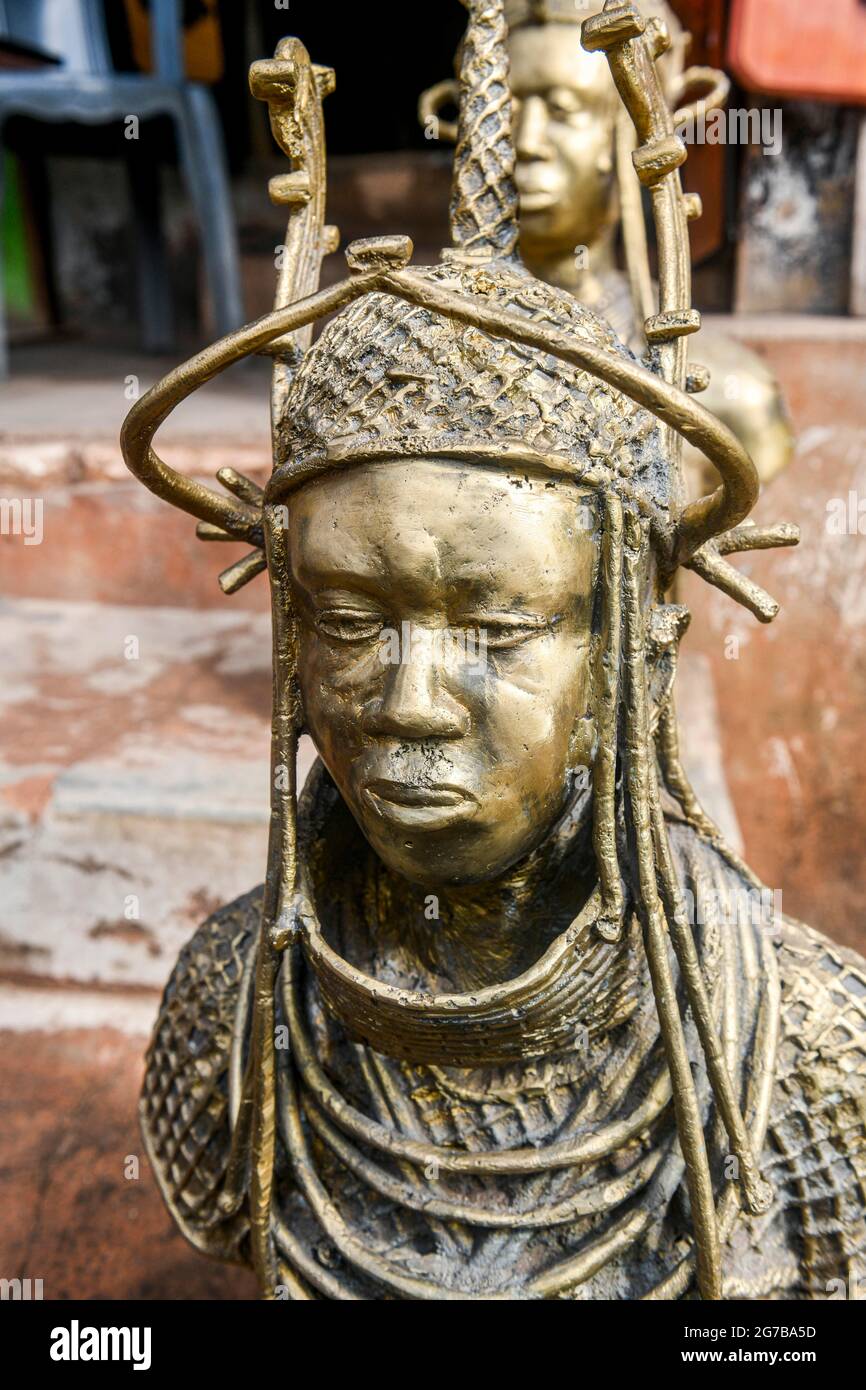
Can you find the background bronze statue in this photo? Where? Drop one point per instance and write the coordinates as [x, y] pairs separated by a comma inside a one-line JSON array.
[[579, 200], [508, 1019]]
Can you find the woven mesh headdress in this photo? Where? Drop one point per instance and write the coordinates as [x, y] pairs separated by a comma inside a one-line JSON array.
[[515, 371]]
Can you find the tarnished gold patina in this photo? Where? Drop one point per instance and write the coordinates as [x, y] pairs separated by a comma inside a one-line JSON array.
[[579, 198], [503, 1021]]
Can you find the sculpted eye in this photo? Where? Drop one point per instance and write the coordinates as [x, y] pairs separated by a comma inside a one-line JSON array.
[[502, 636], [563, 104], [498, 634], [349, 625]]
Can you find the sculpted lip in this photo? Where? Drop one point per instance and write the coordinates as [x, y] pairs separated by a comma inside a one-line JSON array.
[[536, 189], [536, 202], [411, 794], [421, 807]]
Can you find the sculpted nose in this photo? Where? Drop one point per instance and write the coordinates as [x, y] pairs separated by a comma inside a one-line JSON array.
[[414, 702], [530, 138]]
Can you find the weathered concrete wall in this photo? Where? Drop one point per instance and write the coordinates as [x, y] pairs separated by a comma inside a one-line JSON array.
[[81, 1210], [792, 695]]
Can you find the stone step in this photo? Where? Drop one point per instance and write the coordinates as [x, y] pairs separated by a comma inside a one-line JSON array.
[[134, 782], [110, 541], [81, 1208], [101, 535]]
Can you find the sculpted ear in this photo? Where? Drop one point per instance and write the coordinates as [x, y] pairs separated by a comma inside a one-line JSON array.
[[665, 628]]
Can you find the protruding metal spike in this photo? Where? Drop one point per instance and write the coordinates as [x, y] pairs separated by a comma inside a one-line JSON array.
[[710, 566], [206, 531], [750, 537], [240, 486], [290, 190], [379, 252], [240, 573]]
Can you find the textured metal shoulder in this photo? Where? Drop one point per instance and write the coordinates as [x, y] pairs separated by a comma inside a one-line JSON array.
[[823, 1002], [818, 1124], [185, 1097]]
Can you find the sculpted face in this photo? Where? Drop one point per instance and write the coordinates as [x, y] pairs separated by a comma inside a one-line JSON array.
[[453, 759], [564, 111]]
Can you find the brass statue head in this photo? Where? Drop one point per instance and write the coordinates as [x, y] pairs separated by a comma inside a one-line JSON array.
[[573, 140], [468, 461], [565, 113], [444, 563]]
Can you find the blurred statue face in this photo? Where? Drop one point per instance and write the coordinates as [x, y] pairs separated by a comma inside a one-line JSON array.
[[444, 655], [564, 115]]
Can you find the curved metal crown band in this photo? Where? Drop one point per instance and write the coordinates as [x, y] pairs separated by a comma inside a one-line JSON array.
[[717, 88], [239, 518], [700, 521]]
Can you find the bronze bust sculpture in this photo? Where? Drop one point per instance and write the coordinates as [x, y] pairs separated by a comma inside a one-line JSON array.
[[579, 199], [507, 1019]]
